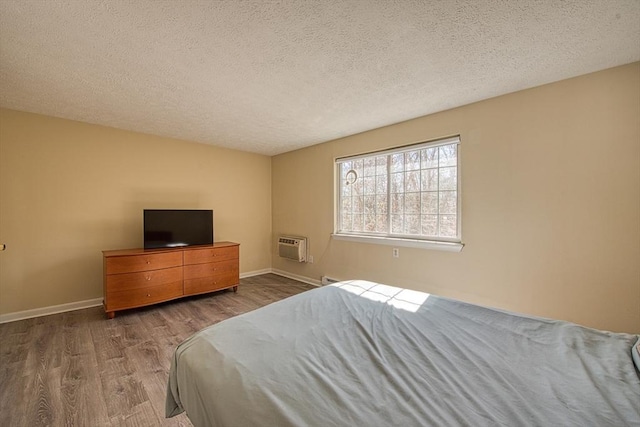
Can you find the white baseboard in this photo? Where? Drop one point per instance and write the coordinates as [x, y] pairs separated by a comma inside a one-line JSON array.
[[255, 273], [297, 277], [46, 311], [79, 305], [282, 273]]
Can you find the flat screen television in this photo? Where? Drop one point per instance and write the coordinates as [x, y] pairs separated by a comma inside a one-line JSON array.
[[168, 228]]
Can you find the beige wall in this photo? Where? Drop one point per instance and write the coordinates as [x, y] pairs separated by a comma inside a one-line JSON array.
[[68, 190], [550, 200], [551, 203]]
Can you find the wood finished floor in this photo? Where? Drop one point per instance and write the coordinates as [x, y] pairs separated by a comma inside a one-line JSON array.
[[80, 369]]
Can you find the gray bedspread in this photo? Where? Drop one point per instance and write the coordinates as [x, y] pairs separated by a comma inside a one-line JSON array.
[[363, 354]]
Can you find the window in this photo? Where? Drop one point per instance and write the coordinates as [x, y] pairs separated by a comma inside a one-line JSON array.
[[409, 193]]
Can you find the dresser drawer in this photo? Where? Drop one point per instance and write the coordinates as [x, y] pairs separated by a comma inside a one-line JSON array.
[[201, 256], [143, 262], [207, 284], [138, 297], [143, 279], [210, 269]]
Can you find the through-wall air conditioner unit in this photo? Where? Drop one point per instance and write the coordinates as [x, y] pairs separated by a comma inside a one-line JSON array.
[[294, 248]]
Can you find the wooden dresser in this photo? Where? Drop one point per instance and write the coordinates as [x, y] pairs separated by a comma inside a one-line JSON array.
[[139, 277]]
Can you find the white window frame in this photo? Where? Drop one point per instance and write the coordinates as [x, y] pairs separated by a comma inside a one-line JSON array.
[[415, 241]]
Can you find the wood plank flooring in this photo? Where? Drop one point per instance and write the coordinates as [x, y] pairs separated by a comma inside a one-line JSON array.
[[81, 369]]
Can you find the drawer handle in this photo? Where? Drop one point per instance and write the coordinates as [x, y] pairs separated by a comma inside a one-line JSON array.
[[148, 277], [148, 262], [148, 295]]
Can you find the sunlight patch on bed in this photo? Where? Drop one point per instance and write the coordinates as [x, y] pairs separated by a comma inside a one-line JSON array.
[[404, 299]]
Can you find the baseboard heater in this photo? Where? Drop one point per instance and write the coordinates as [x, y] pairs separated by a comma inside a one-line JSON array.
[[293, 247], [326, 280]]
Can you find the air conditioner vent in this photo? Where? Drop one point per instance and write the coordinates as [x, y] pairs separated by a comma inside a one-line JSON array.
[[294, 248]]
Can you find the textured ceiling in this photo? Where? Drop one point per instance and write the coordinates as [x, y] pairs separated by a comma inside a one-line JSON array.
[[273, 76]]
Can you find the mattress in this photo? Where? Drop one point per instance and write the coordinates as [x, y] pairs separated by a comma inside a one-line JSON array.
[[359, 353]]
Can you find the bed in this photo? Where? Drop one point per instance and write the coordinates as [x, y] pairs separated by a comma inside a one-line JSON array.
[[359, 353]]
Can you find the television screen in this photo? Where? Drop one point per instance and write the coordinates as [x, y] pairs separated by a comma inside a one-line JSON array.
[[167, 228]]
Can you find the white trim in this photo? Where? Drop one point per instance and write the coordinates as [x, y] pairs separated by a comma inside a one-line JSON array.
[[46, 311], [299, 278], [407, 243], [255, 273], [79, 305]]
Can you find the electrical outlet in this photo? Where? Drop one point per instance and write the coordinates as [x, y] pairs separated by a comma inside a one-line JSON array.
[[396, 253], [310, 261]]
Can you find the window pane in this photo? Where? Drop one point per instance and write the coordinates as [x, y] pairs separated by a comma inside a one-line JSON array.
[[430, 225], [412, 224], [448, 155], [381, 204], [370, 205], [370, 222], [448, 226], [429, 203], [357, 187], [429, 180], [344, 168], [396, 224], [381, 165], [346, 222], [412, 203], [397, 162], [412, 160], [397, 182], [358, 167], [397, 203], [448, 178], [382, 225], [448, 202], [429, 157], [381, 184], [412, 181], [369, 166], [369, 185], [346, 204], [358, 220], [358, 204], [346, 189]]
